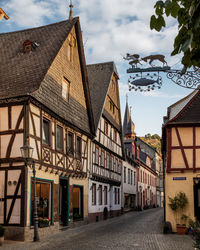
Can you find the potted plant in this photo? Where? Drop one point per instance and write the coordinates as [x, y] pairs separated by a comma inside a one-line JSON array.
[[178, 204], [194, 230], [2, 231]]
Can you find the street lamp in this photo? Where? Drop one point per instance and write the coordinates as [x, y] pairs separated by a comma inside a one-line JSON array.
[[27, 153]]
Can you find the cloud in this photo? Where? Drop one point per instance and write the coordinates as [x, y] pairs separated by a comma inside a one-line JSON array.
[[161, 94]]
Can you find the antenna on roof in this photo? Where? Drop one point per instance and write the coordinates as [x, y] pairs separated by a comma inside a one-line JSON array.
[[71, 10]]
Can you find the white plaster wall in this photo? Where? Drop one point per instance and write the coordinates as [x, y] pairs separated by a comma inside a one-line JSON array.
[[98, 208], [128, 188]]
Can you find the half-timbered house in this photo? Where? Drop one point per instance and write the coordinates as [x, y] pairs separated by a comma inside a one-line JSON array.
[[181, 147], [45, 103], [106, 151]]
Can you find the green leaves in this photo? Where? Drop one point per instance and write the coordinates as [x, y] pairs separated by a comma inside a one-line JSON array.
[[187, 13]]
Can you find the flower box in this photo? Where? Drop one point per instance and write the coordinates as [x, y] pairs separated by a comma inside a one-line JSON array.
[[181, 229], [43, 222]]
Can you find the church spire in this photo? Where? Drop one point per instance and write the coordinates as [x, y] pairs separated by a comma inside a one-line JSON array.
[[71, 10], [128, 124]]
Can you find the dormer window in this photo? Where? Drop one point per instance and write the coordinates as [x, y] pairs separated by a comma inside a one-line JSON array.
[[27, 46]]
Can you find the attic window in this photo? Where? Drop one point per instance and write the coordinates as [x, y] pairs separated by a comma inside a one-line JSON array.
[[27, 46]]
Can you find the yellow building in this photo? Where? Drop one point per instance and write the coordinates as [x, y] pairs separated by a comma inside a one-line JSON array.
[[181, 148]]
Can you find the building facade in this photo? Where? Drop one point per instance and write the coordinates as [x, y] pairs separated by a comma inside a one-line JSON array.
[[106, 149], [181, 159], [44, 103], [142, 156]]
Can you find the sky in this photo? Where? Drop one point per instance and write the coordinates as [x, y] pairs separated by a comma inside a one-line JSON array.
[[110, 29]]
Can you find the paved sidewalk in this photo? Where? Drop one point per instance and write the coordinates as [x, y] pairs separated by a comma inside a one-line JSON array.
[[134, 230]]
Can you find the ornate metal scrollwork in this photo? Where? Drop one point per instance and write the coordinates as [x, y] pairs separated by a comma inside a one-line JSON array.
[[146, 77], [190, 79]]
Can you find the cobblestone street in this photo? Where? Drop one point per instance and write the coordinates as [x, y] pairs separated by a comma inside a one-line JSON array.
[[134, 230]]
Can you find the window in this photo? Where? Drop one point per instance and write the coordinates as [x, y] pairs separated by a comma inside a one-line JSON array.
[[70, 48], [128, 176], [46, 131], [124, 174], [120, 167], [97, 156], [134, 178], [117, 196], [59, 137], [100, 194], [106, 128], [116, 164], [105, 195], [102, 158], [65, 89], [94, 194], [44, 200], [78, 147], [131, 177], [111, 163], [107, 160], [70, 143], [115, 135]]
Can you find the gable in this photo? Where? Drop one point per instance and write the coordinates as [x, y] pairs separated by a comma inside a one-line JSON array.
[[112, 103], [21, 73], [67, 70], [191, 113]]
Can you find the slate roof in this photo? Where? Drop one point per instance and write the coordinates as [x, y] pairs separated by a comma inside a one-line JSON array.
[[178, 106], [176, 110], [99, 77], [21, 74], [25, 74]]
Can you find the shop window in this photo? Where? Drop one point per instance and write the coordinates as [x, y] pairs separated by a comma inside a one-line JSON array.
[[94, 187], [46, 131], [105, 195], [78, 147], [70, 143], [44, 200], [77, 202], [65, 89], [59, 138], [100, 194]]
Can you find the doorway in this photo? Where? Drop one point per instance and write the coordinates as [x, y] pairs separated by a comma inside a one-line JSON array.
[[197, 201], [77, 202], [64, 205]]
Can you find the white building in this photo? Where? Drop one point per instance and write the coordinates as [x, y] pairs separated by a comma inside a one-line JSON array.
[[106, 150]]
